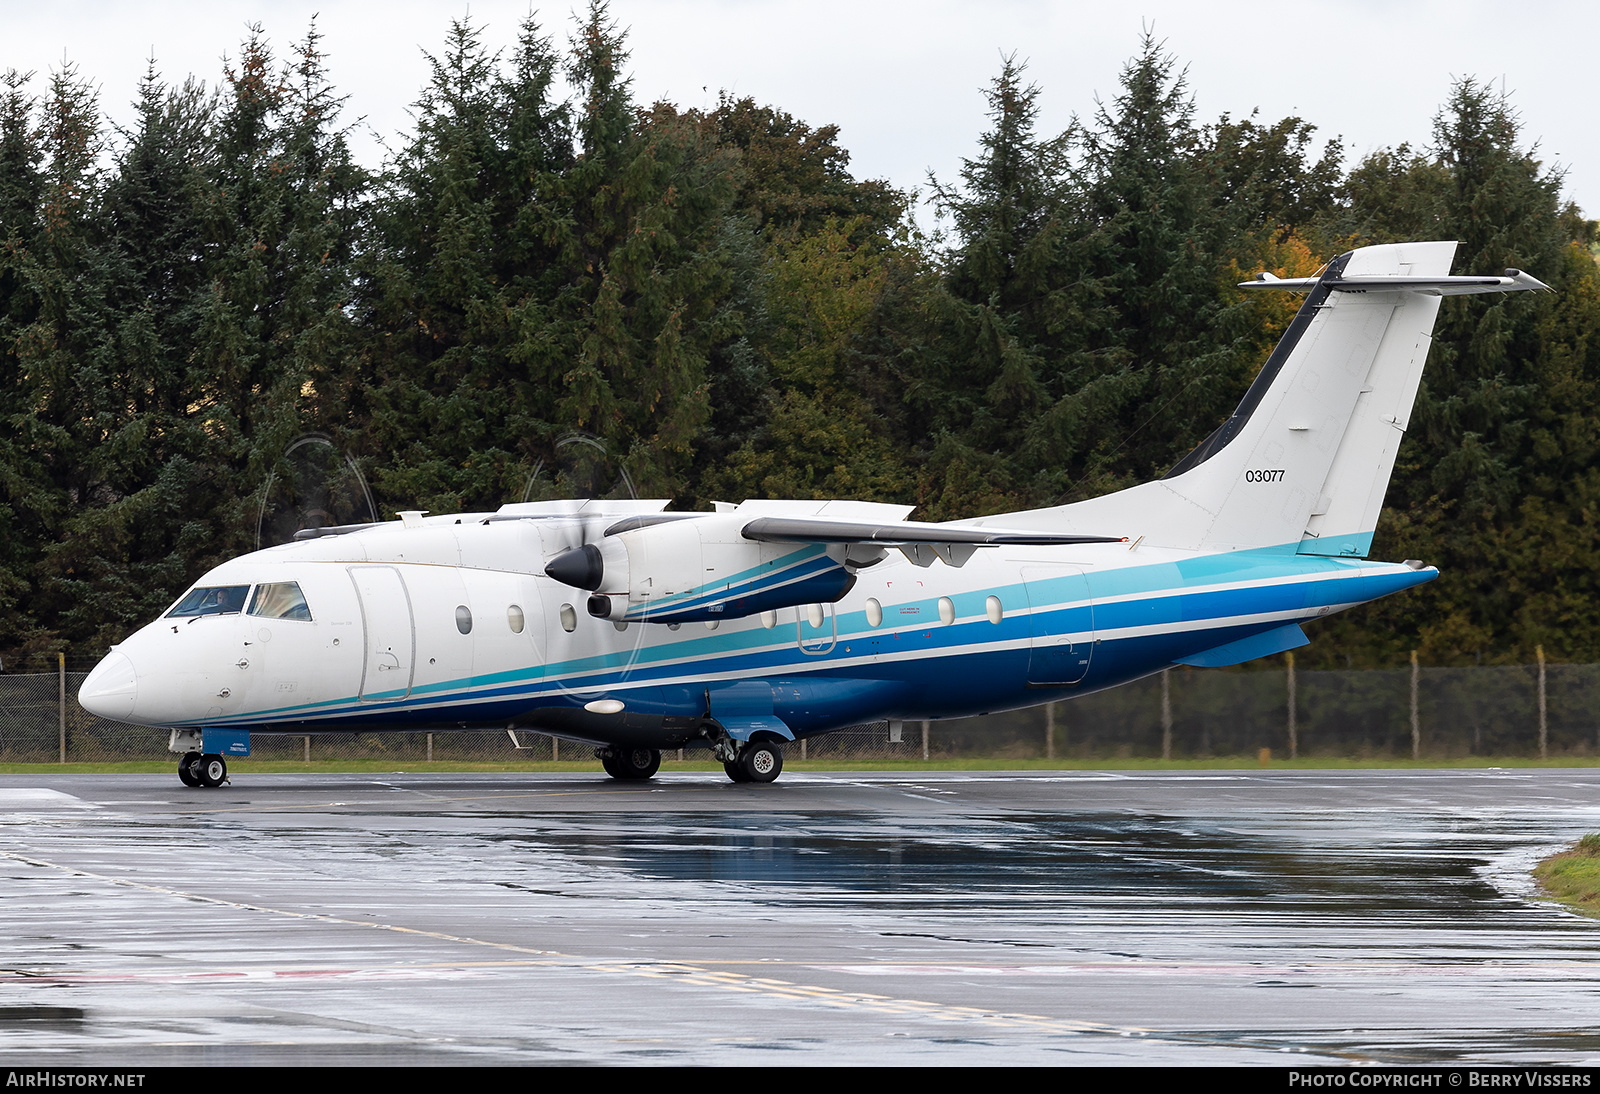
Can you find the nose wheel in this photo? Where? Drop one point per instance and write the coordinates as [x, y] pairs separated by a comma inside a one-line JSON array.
[[197, 770]]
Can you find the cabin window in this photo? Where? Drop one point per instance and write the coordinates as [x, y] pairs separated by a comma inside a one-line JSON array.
[[814, 615], [514, 617], [211, 600], [569, 618], [769, 620], [947, 611], [280, 600], [464, 619], [995, 610], [874, 612]]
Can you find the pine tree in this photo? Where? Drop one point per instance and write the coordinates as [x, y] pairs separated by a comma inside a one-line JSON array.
[[544, 270], [1495, 480], [1013, 316], [24, 496]]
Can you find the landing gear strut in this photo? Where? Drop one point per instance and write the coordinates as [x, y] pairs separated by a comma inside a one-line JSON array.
[[635, 764], [197, 770]]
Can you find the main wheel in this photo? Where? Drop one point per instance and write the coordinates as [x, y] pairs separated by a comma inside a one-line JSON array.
[[735, 771], [762, 762], [212, 771], [637, 763], [608, 760], [186, 771]]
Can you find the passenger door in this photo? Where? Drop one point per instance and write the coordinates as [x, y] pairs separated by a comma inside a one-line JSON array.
[[391, 639]]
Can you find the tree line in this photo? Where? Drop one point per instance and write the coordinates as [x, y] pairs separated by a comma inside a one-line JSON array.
[[715, 297]]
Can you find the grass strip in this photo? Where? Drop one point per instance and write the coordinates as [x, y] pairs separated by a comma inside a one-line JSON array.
[[1572, 877]]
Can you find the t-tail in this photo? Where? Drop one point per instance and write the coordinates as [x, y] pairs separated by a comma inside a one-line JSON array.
[[1304, 462]]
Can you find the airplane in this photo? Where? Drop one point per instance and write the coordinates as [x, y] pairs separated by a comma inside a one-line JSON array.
[[631, 629]]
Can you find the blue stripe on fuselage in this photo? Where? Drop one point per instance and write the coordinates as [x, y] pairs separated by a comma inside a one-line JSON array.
[[915, 658]]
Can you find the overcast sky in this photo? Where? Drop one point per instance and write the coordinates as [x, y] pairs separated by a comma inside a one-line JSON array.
[[903, 80]]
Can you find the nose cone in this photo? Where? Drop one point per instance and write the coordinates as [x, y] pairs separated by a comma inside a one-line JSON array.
[[110, 690]]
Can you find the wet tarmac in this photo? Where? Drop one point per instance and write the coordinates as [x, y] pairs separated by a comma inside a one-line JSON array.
[[930, 918]]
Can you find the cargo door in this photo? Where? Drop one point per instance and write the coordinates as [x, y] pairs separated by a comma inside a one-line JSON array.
[[1061, 625]]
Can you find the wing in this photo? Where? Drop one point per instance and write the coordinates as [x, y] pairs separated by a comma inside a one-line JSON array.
[[919, 542]]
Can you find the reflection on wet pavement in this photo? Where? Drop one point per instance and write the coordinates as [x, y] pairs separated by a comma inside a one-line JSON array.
[[1230, 918]]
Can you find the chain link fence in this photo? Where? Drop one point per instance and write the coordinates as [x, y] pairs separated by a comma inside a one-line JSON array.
[[1430, 713]]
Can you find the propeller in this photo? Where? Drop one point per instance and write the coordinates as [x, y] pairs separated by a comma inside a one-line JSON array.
[[312, 485], [581, 470]]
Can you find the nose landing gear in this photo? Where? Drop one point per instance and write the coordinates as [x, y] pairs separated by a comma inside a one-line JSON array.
[[195, 769]]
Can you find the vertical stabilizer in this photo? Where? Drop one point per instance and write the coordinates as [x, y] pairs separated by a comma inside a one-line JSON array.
[[1304, 462], [1311, 461], [1345, 514]]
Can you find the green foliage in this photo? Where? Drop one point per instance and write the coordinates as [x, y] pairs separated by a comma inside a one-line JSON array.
[[715, 297], [1088, 333], [544, 268], [1572, 877], [794, 177], [1495, 481]]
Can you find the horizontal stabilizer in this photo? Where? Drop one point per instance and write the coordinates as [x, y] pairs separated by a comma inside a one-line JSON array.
[[1513, 281]]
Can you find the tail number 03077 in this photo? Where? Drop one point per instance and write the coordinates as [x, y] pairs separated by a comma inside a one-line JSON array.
[[1264, 476]]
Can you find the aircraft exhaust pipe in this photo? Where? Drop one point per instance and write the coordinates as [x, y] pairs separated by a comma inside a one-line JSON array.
[[608, 607]]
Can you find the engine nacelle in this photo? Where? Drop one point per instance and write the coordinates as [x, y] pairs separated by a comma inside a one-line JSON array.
[[698, 568]]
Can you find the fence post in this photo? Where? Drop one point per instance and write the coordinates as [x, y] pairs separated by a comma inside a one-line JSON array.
[[1166, 714], [61, 668], [1416, 725], [308, 749], [1544, 735], [924, 738], [430, 748], [1049, 731], [1294, 728]]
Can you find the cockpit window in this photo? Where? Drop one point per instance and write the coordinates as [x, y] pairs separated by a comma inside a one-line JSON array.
[[211, 600], [280, 600]]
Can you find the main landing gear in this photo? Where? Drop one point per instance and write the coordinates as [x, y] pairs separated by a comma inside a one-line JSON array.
[[758, 762], [197, 770], [629, 764]]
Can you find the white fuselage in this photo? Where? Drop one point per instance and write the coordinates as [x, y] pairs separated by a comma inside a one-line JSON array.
[[389, 643]]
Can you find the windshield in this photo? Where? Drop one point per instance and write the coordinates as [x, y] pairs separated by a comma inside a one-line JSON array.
[[280, 600], [211, 600]]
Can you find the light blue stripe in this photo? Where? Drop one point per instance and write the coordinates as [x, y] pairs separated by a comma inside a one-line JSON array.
[[754, 653]]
